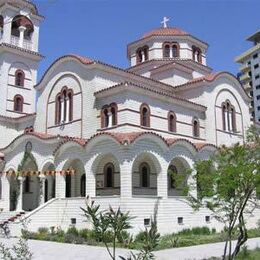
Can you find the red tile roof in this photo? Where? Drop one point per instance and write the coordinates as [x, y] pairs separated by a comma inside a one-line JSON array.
[[165, 32]]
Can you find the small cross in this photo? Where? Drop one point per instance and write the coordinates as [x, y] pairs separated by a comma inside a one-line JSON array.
[[164, 21]]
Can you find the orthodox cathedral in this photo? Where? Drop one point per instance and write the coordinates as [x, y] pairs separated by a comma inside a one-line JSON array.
[[112, 134]]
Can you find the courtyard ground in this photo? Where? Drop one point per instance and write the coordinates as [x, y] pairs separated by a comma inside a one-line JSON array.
[[44, 250]]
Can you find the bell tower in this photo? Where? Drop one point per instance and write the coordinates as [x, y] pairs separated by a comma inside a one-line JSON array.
[[19, 56]]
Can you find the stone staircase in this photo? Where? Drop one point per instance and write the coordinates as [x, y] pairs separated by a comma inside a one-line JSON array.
[[7, 217]]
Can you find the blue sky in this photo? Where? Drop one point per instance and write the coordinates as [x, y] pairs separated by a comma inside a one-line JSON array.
[[101, 29]]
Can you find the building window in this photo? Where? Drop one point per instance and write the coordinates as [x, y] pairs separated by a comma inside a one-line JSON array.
[[228, 117], [196, 54], [257, 76], [207, 219], [109, 115], [255, 56], [171, 122], [196, 127], [145, 115], [256, 66], [109, 175], [175, 50], [258, 97], [64, 106], [171, 50], [144, 175], [180, 220], [147, 222], [257, 87], [19, 78], [166, 50], [18, 103], [142, 54], [258, 108]]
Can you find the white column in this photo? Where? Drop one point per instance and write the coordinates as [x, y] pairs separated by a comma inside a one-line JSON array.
[[143, 56], [126, 179], [226, 120], [162, 179], [19, 206], [109, 114], [170, 52], [67, 109], [62, 109], [21, 38], [42, 178], [60, 191]]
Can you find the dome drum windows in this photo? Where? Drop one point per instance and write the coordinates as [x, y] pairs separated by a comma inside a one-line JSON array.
[[109, 115], [171, 50], [64, 106], [142, 54], [228, 117], [196, 54]]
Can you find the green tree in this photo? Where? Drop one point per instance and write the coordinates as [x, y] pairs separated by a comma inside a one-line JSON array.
[[107, 224], [228, 185]]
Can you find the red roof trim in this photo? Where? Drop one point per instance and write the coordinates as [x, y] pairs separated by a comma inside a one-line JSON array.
[[163, 93]]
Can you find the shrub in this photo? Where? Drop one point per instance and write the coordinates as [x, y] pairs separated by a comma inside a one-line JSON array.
[[140, 237], [73, 231], [43, 230], [85, 233]]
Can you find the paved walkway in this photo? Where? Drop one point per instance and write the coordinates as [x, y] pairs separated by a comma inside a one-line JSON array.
[[44, 250]]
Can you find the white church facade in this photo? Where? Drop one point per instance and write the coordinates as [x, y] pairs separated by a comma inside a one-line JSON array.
[[109, 133]]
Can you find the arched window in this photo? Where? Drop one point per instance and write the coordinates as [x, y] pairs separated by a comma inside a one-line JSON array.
[[139, 56], [166, 50], [83, 185], [224, 116], [196, 127], [144, 175], [70, 103], [145, 115], [19, 21], [228, 115], [142, 54], [18, 103], [233, 117], [196, 54], [171, 122], [109, 175], [146, 52], [64, 106], [19, 78], [113, 107], [172, 171], [175, 50], [104, 117]]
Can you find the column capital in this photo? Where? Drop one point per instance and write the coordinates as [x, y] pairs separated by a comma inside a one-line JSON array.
[[42, 177], [22, 28], [21, 178]]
